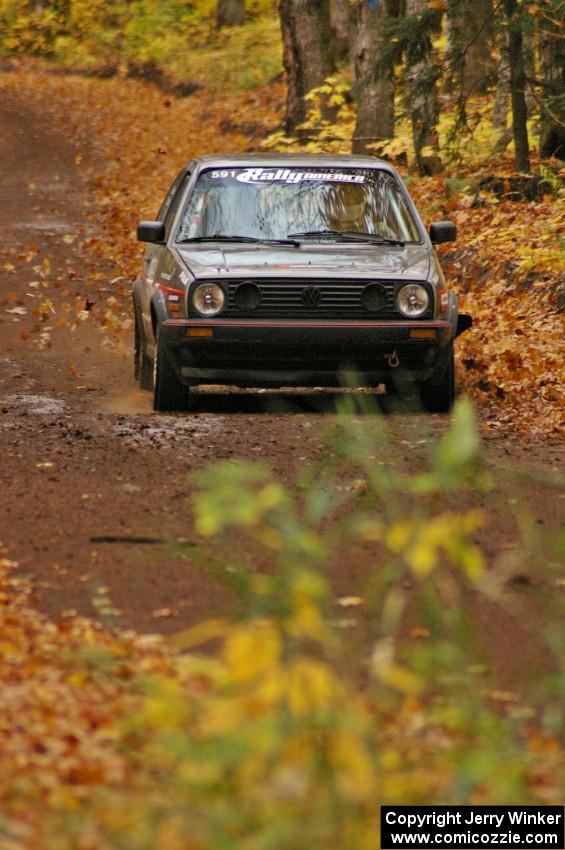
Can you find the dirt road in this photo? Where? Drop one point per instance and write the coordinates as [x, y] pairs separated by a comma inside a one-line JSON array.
[[93, 482]]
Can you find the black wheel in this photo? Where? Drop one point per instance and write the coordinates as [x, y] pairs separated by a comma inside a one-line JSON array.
[[168, 392], [438, 397], [143, 367]]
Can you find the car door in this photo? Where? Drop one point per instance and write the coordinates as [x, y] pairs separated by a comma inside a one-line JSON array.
[[158, 262]]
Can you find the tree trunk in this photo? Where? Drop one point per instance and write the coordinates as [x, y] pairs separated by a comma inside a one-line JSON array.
[[373, 83], [552, 53], [470, 38], [230, 13], [339, 19], [479, 28], [517, 87], [502, 95], [529, 51], [307, 53], [422, 96]]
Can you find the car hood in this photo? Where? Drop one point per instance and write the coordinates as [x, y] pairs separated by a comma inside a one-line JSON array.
[[335, 259]]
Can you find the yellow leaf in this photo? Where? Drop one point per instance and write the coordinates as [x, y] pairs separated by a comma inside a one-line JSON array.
[[166, 706], [400, 679], [252, 649], [353, 765], [422, 557], [398, 536], [202, 633], [309, 686]]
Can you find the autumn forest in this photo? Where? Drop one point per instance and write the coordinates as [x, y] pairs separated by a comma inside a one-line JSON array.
[[249, 625]]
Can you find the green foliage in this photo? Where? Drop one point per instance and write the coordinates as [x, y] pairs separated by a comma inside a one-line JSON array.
[[28, 29], [318, 133], [281, 737], [228, 53], [175, 35], [156, 29], [551, 179], [410, 37]]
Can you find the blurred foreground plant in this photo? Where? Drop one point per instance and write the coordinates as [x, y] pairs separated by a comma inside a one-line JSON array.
[[279, 739]]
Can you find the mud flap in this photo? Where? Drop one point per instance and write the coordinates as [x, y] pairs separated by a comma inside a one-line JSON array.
[[464, 322]]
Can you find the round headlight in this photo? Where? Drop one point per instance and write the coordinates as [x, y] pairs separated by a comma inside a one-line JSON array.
[[412, 300], [209, 299]]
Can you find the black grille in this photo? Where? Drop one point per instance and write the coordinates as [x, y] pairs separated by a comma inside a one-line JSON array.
[[320, 299]]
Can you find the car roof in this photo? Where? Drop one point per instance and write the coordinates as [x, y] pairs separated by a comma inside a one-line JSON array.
[[291, 159]]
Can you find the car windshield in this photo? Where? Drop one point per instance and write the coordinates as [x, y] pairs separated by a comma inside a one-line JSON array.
[[271, 203]]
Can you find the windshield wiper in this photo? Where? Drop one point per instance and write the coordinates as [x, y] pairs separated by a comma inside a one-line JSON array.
[[222, 237], [373, 237], [312, 233], [349, 235]]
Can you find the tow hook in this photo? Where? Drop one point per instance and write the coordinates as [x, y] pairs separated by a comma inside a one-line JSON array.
[[392, 359]]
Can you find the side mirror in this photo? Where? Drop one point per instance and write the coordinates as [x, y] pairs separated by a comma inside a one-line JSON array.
[[443, 231], [151, 231]]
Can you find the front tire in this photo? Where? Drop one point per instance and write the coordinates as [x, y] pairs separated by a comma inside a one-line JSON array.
[[168, 393], [439, 397]]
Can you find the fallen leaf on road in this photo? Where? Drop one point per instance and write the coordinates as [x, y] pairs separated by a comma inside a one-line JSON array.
[[165, 613], [418, 633], [350, 601]]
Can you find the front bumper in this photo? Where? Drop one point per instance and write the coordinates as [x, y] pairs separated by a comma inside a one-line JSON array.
[[275, 353]]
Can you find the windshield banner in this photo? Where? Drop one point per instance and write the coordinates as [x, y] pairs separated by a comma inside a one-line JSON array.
[[286, 175]]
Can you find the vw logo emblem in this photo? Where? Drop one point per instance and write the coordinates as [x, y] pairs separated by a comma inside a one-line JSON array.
[[311, 296]]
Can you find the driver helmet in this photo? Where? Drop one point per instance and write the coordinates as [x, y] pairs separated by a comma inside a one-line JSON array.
[[347, 206]]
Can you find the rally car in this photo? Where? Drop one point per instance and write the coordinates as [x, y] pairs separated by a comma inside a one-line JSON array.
[[271, 270]]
